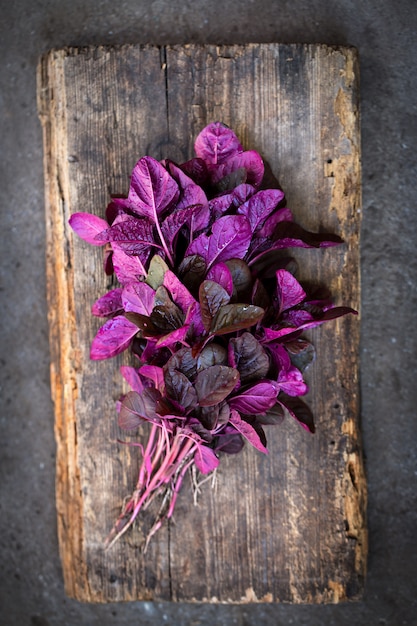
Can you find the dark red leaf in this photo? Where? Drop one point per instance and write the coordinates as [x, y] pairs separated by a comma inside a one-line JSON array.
[[215, 383]]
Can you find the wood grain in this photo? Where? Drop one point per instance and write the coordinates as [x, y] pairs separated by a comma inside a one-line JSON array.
[[287, 527]]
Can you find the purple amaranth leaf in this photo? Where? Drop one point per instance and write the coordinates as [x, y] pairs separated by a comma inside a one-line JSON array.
[[255, 400], [272, 417], [247, 431], [280, 215], [258, 208], [174, 222], [216, 143], [127, 268], [155, 374], [196, 169], [109, 304], [192, 195], [215, 383], [112, 338], [131, 375], [249, 161], [289, 235], [230, 238], [180, 294], [242, 279], [138, 297], [233, 198], [152, 189], [131, 235], [289, 291], [205, 459], [87, 227], [221, 274], [291, 382], [199, 247]]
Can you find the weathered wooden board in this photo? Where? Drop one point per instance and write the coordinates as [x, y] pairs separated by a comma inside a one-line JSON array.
[[287, 527]]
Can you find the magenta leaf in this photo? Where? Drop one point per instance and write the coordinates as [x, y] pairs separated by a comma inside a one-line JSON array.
[[132, 235], [255, 400], [109, 304], [230, 238], [260, 206], [199, 247], [112, 338], [127, 268], [250, 161], [155, 374], [280, 215], [216, 143], [247, 431], [215, 383], [221, 274], [152, 189], [289, 291], [205, 459], [131, 375], [138, 297], [174, 222], [229, 442], [291, 382], [87, 227]]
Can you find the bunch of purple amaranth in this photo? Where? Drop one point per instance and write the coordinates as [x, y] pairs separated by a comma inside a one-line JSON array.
[[210, 307]]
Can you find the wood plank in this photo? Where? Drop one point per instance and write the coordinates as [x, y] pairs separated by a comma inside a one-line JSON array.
[[287, 527]]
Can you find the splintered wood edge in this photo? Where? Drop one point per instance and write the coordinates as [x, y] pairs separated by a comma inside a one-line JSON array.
[[61, 318]]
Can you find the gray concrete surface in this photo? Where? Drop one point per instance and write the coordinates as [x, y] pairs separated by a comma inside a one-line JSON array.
[[31, 588]]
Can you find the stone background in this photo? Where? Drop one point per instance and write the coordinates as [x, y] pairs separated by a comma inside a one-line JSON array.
[[31, 587]]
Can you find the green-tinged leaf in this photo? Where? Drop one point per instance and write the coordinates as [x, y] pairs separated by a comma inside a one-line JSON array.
[[233, 317], [212, 296], [215, 383], [156, 272]]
